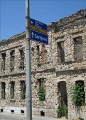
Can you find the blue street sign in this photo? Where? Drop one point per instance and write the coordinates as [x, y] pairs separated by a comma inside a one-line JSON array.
[[38, 24], [38, 37]]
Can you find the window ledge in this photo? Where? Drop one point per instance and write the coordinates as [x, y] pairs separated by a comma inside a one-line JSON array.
[[12, 100]]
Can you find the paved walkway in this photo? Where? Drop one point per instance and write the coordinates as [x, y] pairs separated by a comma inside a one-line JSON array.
[[10, 116], [46, 118]]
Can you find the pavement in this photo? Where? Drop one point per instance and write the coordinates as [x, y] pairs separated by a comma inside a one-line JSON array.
[[10, 116]]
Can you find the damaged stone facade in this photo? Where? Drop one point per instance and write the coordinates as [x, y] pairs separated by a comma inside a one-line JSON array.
[[55, 68]]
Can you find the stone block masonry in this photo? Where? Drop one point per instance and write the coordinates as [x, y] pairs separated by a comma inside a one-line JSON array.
[[55, 68]]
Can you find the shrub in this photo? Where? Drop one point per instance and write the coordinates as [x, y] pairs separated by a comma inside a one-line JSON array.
[[41, 94], [62, 111], [78, 94]]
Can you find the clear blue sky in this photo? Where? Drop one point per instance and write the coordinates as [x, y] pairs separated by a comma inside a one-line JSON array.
[[12, 13]]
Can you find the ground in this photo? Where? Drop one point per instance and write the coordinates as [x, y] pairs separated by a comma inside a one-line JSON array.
[[5, 116]]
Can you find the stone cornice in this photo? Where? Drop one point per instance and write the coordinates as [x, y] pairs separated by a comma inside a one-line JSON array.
[[14, 38], [70, 72], [12, 74], [79, 18]]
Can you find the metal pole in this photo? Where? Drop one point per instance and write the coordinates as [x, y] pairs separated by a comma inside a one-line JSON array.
[[28, 66]]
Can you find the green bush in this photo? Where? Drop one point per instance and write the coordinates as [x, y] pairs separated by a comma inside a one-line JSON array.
[[78, 94], [41, 94], [62, 111]]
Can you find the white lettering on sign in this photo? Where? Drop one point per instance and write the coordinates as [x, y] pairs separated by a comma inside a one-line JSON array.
[[38, 37], [38, 24]]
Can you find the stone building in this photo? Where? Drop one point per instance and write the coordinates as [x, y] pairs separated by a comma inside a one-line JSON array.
[[55, 68]]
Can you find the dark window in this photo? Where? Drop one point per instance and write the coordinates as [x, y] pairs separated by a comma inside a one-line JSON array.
[[3, 90], [21, 60], [62, 91], [78, 49], [60, 50], [38, 56], [1, 110], [12, 60], [41, 83], [23, 89], [12, 111], [38, 49], [80, 92], [43, 54], [41, 92], [12, 86], [42, 113], [3, 61], [22, 111]]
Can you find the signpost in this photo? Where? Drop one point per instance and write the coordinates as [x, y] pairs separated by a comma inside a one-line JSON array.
[[38, 24], [38, 31], [38, 37]]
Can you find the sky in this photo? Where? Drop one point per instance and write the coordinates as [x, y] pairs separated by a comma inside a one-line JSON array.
[[12, 13]]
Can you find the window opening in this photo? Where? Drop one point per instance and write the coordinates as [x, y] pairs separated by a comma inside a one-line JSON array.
[[3, 90], [43, 54], [61, 53], [3, 61], [41, 92], [23, 89], [78, 49], [12, 60], [42, 113], [38, 56], [12, 83], [21, 60]]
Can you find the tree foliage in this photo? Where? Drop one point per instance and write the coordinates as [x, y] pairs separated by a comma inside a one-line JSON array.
[[78, 94]]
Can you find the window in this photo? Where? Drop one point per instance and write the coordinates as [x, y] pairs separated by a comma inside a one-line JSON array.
[[41, 92], [60, 50], [38, 56], [41, 83], [21, 60], [3, 90], [78, 49], [12, 86], [3, 61], [43, 54], [62, 92], [12, 60], [23, 89], [80, 92], [62, 99]]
